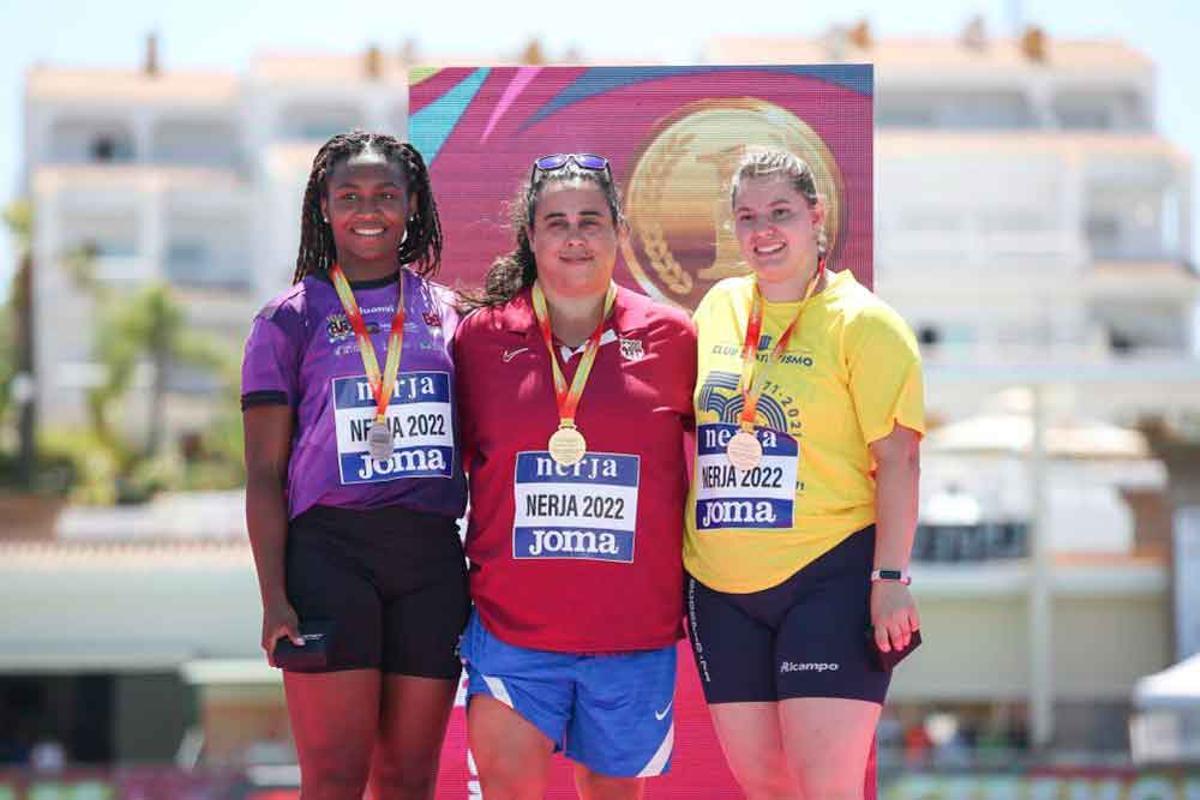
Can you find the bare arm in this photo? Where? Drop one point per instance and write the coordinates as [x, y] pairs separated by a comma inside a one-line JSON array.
[[898, 470], [268, 434]]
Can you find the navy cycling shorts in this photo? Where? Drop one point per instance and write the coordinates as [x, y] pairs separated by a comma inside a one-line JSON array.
[[806, 637]]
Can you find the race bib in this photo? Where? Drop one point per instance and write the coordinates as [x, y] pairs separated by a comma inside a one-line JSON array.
[[587, 510], [762, 497], [419, 416]]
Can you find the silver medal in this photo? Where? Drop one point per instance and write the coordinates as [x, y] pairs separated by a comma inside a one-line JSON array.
[[379, 441]]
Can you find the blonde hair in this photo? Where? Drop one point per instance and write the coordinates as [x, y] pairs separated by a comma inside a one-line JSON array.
[[771, 163]]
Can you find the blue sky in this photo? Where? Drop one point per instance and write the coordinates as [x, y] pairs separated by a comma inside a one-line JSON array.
[[224, 34]]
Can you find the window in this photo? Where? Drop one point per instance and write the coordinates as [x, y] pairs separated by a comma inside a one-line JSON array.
[[314, 122], [206, 249], [1128, 222], [1100, 110], [1131, 325], [196, 142], [203, 263], [106, 147], [82, 141], [982, 109]]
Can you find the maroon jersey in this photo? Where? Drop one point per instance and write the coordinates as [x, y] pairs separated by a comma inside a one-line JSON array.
[[584, 558]]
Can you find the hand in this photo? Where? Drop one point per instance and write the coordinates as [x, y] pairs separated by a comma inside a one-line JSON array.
[[893, 615], [279, 619]]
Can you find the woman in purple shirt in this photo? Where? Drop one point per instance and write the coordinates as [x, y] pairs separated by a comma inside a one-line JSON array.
[[354, 481]]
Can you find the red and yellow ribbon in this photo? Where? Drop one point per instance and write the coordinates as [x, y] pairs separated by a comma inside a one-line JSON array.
[[382, 385], [568, 398], [754, 377]]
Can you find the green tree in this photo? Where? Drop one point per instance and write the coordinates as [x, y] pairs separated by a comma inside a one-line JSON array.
[[151, 327], [16, 341]]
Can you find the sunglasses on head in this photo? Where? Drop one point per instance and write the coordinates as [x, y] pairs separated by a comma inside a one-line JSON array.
[[550, 163]]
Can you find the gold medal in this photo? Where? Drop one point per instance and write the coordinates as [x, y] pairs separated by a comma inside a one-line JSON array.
[[379, 441], [567, 446], [744, 450]]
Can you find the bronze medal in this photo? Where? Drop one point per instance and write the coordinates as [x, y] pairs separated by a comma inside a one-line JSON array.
[[744, 450]]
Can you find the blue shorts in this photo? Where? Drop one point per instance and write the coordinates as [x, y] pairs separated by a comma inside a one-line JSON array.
[[806, 637], [612, 713]]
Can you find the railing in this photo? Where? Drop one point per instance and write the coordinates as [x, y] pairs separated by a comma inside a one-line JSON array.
[[122, 783], [973, 248], [984, 542]]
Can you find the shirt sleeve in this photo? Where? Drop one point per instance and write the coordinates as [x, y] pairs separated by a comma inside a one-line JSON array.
[[691, 368], [270, 367], [462, 392], [886, 381]]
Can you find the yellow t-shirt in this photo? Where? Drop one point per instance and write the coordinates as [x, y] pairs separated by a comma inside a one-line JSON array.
[[851, 372]]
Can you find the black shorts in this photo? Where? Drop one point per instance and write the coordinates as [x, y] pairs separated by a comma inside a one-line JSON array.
[[805, 637], [391, 582]]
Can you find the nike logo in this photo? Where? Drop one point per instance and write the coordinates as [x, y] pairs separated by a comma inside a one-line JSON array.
[[661, 715], [509, 355]]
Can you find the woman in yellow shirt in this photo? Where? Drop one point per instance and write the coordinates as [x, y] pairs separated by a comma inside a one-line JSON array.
[[809, 413]]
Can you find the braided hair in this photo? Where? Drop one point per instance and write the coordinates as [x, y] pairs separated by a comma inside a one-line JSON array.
[[422, 242], [517, 270]]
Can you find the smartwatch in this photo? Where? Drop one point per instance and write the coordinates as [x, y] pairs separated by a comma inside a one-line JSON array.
[[898, 575]]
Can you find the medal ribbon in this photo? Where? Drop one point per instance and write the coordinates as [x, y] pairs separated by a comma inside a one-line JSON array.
[[754, 377], [568, 399], [382, 385]]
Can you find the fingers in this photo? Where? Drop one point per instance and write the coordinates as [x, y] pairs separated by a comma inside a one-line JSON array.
[[894, 616], [899, 632], [268, 644], [881, 638], [894, 631], [291, 629], [274, 631]]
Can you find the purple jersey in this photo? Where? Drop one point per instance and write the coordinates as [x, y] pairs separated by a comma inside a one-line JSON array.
[[302, 353]]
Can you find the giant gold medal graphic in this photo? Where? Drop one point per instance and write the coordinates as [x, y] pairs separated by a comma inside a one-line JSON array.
[[678, 206]]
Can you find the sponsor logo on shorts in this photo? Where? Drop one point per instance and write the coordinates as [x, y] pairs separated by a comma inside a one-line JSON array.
[[661, 715], [809, 666]]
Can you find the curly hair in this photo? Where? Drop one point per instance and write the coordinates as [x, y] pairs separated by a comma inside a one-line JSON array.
[[421, 246]]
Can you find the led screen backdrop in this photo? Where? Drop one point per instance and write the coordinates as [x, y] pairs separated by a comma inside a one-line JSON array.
[[674, 136]]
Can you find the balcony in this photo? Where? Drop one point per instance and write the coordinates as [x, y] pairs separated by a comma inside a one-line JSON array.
[[970, 251], [953, 544]]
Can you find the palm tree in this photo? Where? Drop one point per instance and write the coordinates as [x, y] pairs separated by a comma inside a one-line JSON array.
[[18, 217], [149, 325]]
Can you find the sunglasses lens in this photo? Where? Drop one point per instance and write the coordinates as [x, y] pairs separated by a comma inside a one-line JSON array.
[[552, 162], [591, 161]]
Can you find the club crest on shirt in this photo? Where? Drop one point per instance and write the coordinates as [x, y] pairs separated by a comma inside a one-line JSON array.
[[632, 350], [338, 327]]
